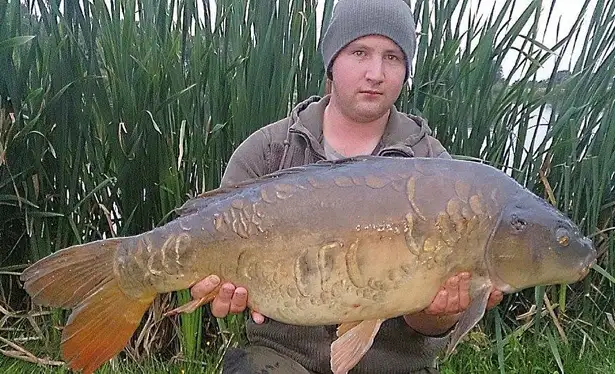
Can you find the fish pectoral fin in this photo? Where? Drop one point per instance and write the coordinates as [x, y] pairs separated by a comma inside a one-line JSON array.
[[188, 307], [193, 305], [345, 327], [353, 343], [471, 316]]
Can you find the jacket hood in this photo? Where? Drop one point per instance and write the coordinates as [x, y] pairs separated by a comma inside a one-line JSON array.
[[307, 119]]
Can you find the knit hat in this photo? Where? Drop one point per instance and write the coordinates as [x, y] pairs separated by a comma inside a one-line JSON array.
[[352, 19]]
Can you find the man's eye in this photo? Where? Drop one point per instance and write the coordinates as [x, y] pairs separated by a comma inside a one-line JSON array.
[[359, 53]]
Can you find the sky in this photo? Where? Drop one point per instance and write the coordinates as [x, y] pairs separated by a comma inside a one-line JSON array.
[[565, 10]]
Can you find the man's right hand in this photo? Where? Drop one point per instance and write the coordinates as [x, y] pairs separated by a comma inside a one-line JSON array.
[[230, 299]]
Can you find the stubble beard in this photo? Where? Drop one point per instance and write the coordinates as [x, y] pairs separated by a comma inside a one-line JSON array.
[[357, 108], [365, 111]]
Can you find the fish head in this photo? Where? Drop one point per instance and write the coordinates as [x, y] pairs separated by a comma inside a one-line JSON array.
[[535, 244]]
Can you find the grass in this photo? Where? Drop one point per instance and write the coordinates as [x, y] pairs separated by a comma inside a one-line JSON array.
[[477, 355], [528, 356], [116, 366]]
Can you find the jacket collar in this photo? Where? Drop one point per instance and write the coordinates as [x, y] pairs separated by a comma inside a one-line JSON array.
[[402, 131]]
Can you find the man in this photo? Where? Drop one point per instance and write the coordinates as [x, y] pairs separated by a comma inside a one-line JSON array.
[[367, 49]]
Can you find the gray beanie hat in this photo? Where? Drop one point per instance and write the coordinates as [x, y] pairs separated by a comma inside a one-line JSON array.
[[352, 19]]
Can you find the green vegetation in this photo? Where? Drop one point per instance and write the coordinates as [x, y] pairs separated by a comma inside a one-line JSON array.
[[118, 120], [477, 355]]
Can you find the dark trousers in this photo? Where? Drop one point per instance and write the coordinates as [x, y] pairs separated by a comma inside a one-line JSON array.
[[263, 360], [259, 360]]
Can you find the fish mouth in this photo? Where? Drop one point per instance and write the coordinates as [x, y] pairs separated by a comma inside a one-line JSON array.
[[590, 260]]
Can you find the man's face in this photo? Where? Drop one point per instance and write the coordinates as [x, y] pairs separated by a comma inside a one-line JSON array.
[[368, 75]]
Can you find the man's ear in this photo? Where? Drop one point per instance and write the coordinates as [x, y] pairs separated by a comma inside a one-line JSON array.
[[328, 87]]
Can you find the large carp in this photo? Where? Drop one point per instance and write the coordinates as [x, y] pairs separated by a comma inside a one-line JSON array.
[[352, 242]]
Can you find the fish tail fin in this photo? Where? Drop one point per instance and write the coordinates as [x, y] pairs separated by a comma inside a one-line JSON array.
[[101, 326], [103, 317]]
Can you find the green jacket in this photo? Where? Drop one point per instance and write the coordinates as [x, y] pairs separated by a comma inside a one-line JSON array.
[[297, 140]]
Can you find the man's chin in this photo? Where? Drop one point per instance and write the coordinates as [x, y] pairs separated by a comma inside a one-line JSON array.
[[370, 113]]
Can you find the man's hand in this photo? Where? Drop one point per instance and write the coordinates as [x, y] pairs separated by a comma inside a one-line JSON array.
[[447, 306], [230, 299], [454, 297]]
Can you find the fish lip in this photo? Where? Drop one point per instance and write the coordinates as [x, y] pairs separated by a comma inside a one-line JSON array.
[[589, 262]]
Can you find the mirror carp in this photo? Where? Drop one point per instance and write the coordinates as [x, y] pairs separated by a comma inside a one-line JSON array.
[[351, 242]]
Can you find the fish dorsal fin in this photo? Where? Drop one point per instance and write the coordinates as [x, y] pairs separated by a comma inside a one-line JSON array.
[[210, 197], [470, 317], [351, 346]]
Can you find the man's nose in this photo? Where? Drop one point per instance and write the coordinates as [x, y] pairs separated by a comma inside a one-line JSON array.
[[375, 70]]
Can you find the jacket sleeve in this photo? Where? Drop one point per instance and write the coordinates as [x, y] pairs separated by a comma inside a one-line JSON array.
[[248, 161], [444, 154], [437, 149]]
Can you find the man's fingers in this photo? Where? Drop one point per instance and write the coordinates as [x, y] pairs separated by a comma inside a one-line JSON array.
[[453, 304], [204, 287], [464, 291], [438, 305], [239, 300], [257, 317], [495, 298], [452, 286], [222, 303]]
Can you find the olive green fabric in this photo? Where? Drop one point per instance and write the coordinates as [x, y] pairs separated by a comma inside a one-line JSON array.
[[297, 140]]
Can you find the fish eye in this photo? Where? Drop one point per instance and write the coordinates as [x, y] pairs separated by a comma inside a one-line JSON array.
[[518, 223], [562, 236]]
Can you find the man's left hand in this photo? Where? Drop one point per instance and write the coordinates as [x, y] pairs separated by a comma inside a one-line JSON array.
[[454, 297], [447, 306]]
